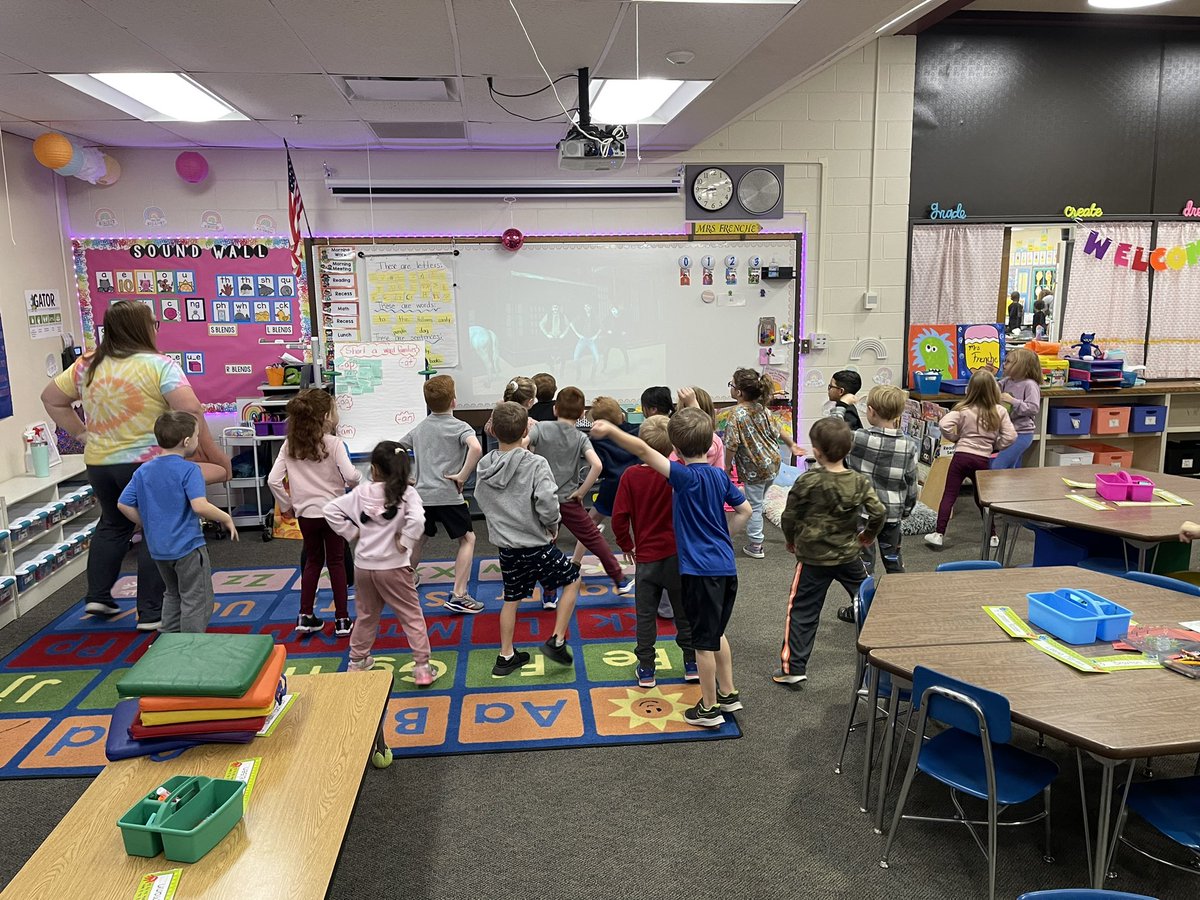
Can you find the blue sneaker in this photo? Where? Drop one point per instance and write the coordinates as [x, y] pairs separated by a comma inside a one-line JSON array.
[[625, 588], [690, 672], [645, 677], [549, 598]]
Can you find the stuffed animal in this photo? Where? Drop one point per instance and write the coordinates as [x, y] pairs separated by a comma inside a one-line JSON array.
[[1087, 349]]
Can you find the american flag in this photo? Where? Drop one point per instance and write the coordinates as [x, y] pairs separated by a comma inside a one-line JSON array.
[[295, 212]]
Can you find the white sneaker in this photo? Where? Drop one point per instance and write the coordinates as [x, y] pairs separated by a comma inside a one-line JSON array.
[[995, 541], [361, 665], [933, 539]]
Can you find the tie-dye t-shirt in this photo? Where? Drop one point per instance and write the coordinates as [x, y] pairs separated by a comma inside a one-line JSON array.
[[121, 404]]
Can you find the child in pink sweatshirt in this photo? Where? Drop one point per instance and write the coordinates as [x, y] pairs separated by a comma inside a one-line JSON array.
[[386, 518], [978, 426]]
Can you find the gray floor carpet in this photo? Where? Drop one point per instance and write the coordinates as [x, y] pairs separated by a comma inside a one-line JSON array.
[[763, 816]]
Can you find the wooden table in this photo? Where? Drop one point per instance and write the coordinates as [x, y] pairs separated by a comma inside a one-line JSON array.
[[1116, 717], [1047, 483], [288, 842]]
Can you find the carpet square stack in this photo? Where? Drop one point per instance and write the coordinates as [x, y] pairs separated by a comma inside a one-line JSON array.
[[191, 689]]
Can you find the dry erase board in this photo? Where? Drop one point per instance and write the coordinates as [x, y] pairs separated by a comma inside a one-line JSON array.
[[610, 316], [380, 391]]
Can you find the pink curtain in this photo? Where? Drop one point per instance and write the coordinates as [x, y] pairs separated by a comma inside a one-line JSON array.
[[955, 274], [1105, 298], [1175, 313]]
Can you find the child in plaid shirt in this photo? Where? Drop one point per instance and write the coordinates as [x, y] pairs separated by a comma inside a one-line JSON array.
[[889, 458]]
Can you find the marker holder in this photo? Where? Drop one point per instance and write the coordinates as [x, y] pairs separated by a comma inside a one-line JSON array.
[[194, 818]]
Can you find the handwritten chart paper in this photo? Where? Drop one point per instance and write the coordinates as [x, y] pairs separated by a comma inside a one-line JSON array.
[[412, 299], [380, 391]]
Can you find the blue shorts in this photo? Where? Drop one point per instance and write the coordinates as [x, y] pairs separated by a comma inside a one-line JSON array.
[[524, 567]]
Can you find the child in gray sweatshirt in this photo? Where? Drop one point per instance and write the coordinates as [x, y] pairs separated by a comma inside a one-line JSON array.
[[518, 494]]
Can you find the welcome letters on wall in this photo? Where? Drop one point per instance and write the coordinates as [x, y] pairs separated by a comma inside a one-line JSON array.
[[215, 300], [1138, 258]]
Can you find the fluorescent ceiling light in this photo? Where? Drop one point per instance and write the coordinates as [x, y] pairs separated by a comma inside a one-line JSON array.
[[1124, 4], [154, 96], [903, 16], [650, 101]]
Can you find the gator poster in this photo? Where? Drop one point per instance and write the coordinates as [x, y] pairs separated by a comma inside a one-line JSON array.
[[979, 347], [932, 348]]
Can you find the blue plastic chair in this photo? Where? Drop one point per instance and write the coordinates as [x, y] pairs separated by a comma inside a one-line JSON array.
[[972, 756], [1082, 894], [967, 565], [1162, 581], [1172, 806]]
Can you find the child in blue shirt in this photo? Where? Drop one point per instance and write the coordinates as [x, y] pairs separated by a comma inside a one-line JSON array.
[[165, 496], [708, 570]]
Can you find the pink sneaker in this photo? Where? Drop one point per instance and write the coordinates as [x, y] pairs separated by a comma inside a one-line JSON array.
[[423, 674], [361, 665]]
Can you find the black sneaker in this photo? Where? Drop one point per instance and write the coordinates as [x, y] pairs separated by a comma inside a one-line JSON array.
[[508, 666], [308, 624], [730, 702], [101, 608], [560, 653], [846, 614], [342, 627], [703, 716]]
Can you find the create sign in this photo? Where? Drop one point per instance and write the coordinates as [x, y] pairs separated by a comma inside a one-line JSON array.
[[1138, 258], [1083, 212]]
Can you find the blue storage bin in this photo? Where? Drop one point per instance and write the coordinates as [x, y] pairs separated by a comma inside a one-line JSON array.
[[1077, 616], [927, 382], [1148, 419], [1069, 420], [954, 385]]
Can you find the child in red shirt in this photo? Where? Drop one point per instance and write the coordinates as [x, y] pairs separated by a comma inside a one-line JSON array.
[[643, 506]]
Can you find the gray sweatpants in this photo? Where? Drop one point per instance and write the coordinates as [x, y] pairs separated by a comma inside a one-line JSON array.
[[188, 600]]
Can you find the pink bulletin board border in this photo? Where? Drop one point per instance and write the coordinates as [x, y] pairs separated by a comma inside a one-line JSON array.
[[80, 246]]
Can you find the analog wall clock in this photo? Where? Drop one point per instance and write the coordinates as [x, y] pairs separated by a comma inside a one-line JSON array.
[[712, 189]]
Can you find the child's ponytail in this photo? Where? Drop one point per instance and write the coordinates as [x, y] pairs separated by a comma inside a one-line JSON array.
[[753, 386], [390, 462]]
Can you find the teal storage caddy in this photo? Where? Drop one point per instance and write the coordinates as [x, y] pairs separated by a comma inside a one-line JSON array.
[[193, 819]]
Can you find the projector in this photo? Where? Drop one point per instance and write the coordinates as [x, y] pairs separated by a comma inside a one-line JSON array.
[[601, 149]]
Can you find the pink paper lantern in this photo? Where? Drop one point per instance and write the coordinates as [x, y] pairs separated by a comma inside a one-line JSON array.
[[191, 166], [512, 239]]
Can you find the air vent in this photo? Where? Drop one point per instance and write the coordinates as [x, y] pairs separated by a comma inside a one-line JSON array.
[[420, 131], [422, 90]]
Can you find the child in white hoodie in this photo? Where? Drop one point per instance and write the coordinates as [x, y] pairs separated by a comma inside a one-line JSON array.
[[386, 518]]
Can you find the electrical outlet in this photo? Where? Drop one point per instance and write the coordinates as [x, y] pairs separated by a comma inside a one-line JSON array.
[[820, 341], [805, 345]]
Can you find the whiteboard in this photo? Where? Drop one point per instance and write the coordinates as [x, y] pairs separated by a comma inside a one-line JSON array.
[[380, 391], [609, 317]]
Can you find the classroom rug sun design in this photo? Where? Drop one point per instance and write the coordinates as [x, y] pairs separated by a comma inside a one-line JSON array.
[[57, 690]]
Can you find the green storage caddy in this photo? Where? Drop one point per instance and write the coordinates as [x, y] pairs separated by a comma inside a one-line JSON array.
[[194, 818]]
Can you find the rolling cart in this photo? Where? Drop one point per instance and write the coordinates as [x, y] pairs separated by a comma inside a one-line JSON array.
[[245, 496]]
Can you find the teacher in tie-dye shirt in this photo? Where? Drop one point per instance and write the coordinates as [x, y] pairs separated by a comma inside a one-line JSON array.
[[124, 386]]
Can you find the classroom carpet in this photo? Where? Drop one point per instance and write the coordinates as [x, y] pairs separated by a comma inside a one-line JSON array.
[[58, 688]]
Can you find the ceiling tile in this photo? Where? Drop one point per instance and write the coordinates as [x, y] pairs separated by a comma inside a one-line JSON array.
[[41, 98], [526, 135], [324, 134], [718, 34], [215, 36], [481, 108], [281, 96], [407, 111], [375, 37], [130, 133], [568, 35], [11, 124], [70, 36], [10, 66], [224, 134]]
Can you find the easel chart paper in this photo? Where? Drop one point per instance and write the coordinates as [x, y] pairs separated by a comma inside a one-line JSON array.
[[412, 298]]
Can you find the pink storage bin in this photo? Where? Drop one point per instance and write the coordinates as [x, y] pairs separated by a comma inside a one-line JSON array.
[[1121, 486]]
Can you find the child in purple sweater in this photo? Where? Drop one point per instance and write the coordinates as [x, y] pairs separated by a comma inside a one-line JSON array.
[[1021, 388]]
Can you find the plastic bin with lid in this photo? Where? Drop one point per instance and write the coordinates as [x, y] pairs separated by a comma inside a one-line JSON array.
[[26, 575], [8, 588], [57, 512], [20, 529]]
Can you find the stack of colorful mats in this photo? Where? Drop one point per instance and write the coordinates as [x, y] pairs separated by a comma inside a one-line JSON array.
[[191, 689]]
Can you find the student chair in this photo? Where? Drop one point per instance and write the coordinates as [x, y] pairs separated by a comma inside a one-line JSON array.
[[1163, 581], [972, 756], [967, 565], [1172, 806], [1082, 894]]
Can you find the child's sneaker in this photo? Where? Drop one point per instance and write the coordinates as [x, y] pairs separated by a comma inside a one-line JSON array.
[[560, 653], [754, 551], [730, 702], [704, 717], [464, 604], [625, 588], [933, 539], [645, 677], [549, 598], [361, 665], [423, 674], [508, 666], [787, 678], [691, 673], [343, 627], [994, 541], [308, 624]]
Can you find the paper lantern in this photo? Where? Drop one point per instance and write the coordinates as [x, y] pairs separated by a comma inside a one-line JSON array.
[[93, 166], [191, 166], [53, 150], [112, 171], [512, 239], [76, 163]]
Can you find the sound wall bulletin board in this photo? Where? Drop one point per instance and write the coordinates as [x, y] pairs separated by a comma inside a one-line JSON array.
[[215, 300]]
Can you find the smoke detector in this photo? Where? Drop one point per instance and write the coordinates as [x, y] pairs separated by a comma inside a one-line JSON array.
[[680, 57]]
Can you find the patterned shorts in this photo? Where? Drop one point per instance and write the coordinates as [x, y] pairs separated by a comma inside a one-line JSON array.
[[523, 567]]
